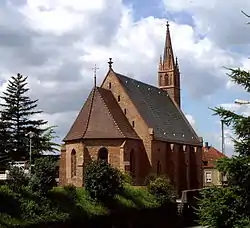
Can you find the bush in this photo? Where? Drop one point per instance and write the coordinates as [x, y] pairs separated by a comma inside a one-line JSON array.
[[102, 181], [149, 178], [127, 178], [220, 207], [43, 176], [17, 179], [162, 189], [9, 201], [71, 192]]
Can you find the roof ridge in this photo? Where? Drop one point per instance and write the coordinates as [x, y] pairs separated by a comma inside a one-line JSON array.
[[90, 111], [110, 112], [122, 75], [217, 151]]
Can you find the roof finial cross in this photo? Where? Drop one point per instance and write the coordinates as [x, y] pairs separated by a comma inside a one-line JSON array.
[[167, 24], [95, 70], [110, 62]]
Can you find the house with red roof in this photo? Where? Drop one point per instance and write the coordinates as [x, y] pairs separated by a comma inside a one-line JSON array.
[[211, 175]]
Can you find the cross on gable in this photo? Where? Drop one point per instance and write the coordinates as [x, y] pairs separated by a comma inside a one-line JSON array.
[[95, 68]]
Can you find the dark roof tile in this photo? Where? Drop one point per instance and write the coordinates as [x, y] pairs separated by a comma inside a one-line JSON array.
[[159, 112]]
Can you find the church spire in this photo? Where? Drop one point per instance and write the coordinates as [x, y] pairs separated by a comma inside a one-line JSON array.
[[168, 74], [168, 57]]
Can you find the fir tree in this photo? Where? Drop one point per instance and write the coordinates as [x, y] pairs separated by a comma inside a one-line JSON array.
[[233, 207], [4, 142], [18, 113]]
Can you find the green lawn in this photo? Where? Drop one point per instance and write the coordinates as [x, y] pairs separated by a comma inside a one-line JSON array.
[[67, 203]]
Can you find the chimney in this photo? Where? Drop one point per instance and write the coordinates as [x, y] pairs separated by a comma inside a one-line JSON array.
[[206, 145]]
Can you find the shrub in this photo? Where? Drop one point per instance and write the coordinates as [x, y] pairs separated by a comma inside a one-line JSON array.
[[102, 181], [162, 189], [127, 178], [17, 179], [71, 192], [43, 176], [149, 178], [9, 201], [220, 207]]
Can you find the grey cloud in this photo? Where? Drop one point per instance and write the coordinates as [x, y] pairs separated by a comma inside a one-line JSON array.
[[103, 33], [200, 81]]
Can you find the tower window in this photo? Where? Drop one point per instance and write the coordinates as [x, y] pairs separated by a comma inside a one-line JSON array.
[[125, 111], [133, 123], [118, 98], [110, 85]]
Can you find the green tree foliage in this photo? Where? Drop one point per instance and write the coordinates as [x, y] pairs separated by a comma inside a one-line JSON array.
[[17, 180], [102, 181], [18, 114], [43, 177], [220, 208], [4, 142], [41, 180], [162, 189], [233, 202]]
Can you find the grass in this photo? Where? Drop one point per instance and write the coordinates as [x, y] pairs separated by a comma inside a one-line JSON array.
[[132, 197], [64, 204]]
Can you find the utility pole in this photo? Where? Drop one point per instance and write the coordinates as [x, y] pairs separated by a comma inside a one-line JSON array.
[[31, 135], [222, 137]]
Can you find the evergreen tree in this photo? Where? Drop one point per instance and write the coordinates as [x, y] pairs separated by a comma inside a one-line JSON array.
[[18, 113], [235, 198], [4, 142]]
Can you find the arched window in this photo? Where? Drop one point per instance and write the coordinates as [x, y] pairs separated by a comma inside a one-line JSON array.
[[103, 154], [132, 163], [73, 163], [158, 168]]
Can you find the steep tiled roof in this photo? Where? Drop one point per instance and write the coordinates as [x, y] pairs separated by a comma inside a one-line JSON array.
[[159, 112], [101, 117], [210, 155]]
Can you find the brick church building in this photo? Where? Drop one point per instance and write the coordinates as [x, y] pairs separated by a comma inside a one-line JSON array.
[[136, 127]]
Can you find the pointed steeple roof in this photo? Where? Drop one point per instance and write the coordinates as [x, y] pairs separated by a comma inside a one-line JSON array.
[[168, 57], [101, 117]]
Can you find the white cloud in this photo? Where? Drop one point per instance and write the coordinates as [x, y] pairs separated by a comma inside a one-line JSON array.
[[57, 43], [225, 29], [228, 131], [190, 119], [240, 109]]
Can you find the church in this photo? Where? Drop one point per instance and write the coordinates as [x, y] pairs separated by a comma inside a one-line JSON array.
[[137, 128]]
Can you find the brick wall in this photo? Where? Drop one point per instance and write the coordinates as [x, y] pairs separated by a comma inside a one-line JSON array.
[[118, 156], [62, 168], [132, 114], [180, 163], [79, 149]]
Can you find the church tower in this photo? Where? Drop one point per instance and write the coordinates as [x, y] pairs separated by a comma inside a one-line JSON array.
[[169, 74]]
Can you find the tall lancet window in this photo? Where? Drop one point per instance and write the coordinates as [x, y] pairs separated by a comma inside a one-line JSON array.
[[73, 163], [163, 79], [170, 81], [158, 168]]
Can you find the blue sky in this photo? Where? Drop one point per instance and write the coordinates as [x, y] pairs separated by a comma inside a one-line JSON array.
[[206, 124], [57, 42]]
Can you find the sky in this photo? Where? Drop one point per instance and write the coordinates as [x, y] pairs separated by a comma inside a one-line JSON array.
[[56, 43]]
